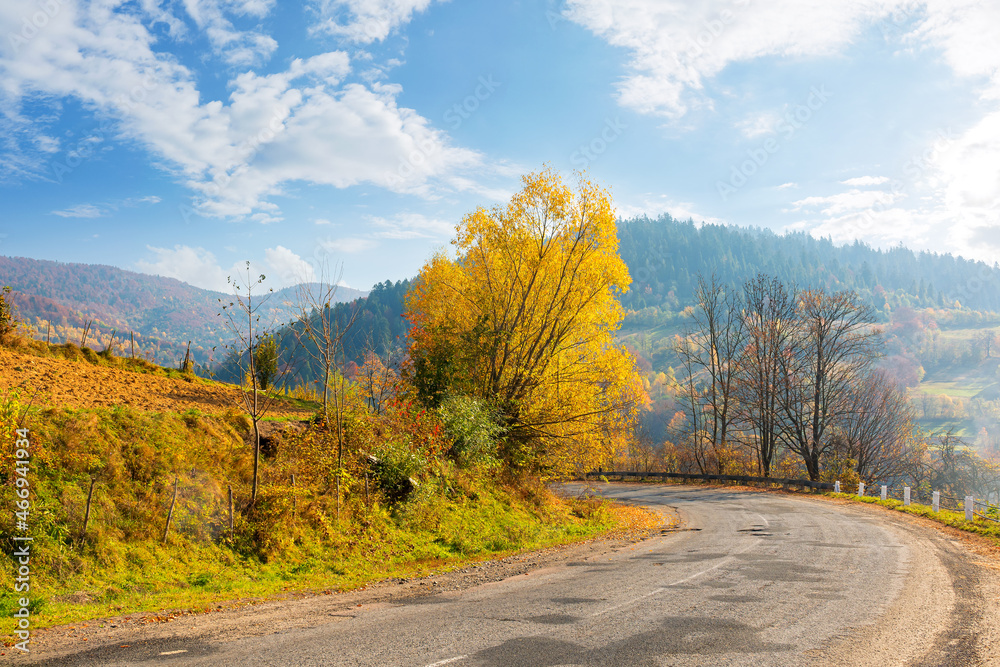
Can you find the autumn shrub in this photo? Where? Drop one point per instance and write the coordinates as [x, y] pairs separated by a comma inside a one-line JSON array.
[[840, 468], [473, 429], [300, 531], [789, 466], [8, 312]]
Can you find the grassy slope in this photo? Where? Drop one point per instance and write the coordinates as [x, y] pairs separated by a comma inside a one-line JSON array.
[[955, 519], [121, 565]]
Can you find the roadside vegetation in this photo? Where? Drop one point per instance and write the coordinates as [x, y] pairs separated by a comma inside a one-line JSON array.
[[775, 381], [420, 458], [955, 519]]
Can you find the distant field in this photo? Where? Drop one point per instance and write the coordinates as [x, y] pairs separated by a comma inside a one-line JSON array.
[[961, 427], [954, 388], [965, 334]]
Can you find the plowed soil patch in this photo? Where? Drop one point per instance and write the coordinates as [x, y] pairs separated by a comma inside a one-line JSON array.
[[72, 384]]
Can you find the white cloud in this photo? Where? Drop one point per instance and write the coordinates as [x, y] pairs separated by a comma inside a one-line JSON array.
[[234, 46], [863, 181], [654, 206], [98, 210], [881, 227], [348, 245], [301, 125], [80, 211], [785, 186], [853, 200], [759, 125], [195, 266], [289, 267], [676, 46], [366, 21], [199, 267], [952, 190], [322, 221], [411, 226]]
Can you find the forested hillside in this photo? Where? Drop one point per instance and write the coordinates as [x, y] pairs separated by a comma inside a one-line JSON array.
[[58, 300], [378, 326], [665, 257]]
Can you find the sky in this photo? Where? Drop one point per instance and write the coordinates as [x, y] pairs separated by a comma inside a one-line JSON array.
[[348, 137]]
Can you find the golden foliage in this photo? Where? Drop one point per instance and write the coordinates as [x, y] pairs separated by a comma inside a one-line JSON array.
[[525, 317]]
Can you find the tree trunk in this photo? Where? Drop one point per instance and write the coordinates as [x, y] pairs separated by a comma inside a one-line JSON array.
[[256, 459]]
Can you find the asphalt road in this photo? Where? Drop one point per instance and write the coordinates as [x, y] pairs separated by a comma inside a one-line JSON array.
[[747, 579]]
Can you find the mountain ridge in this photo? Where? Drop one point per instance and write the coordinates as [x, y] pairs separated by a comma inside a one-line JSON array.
[[58, 299]]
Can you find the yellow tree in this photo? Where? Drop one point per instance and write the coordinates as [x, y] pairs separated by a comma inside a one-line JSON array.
[[525, 318]]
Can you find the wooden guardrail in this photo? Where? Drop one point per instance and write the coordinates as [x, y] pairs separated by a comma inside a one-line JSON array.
[[746, 479]]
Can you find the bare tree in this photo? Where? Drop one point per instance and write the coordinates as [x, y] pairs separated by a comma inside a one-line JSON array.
[[693, 400], [879, 429], [379, 375], [242, 318], [834, 345], [320, 326], [984, 341], [716, 344], [769, 324]]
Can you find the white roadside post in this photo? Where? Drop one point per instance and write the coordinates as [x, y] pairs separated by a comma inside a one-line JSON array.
[[968, 508], [836, 487], [861, 488], [906, 495], [937, 501], [885, 492]]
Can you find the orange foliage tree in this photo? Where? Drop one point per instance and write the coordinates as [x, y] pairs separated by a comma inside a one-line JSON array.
[[524, 318]]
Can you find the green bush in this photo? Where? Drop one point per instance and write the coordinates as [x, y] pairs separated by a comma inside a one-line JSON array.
[[395, 468], [471, 426]]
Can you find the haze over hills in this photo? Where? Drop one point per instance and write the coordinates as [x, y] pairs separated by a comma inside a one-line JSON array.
[[934, 352], [164, 313]]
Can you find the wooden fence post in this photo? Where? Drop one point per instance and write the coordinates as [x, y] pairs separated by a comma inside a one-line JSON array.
[[170, 514], [936, 502], [969, 508], [885, 492], [230, 511], [90, 496], [906, 495]]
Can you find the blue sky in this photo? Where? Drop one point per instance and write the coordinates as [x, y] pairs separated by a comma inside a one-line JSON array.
[[183, 138]]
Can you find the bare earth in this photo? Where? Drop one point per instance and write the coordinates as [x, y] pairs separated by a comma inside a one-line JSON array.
[[61, 383]]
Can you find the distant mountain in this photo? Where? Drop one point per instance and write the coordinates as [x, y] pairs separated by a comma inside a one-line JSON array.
[[378, 326], [665, 256], [58, 299]]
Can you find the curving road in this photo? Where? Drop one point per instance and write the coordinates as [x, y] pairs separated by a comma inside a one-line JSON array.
[[747, 579]]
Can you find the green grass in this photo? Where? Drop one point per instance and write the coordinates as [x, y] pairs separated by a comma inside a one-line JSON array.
[[955, 519], [192, 576], [953, 388], [121, 566], [963, 428]]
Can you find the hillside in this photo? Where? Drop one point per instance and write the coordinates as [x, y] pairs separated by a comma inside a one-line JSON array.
[[81, 384], [164, 313], [378, 325], [665, 257]]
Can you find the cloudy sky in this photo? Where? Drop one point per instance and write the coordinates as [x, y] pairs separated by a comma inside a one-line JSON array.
[[184, 137]]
